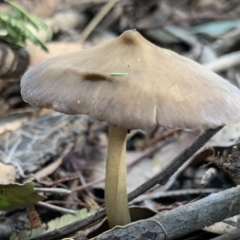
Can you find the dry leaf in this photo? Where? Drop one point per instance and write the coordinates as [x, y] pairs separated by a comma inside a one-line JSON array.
[[7, 174]]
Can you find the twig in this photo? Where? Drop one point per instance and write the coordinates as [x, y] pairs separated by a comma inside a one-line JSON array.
[[180, 19], [224, 62], [163, 176], [182, 220], [146, 153], [53, 166], [91, 195], [173, 178], [59, 181], [175, 193], [60, 191], [158, 138], [97, 19], [195, 16], [233, 235], [56, 208], [143, 155], [88, 185], [160, 178], [58, 202]]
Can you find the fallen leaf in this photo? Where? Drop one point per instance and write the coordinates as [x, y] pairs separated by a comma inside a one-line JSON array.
[[221, 227], [227, 137], [7, 173], [14, 196], [52, 225]]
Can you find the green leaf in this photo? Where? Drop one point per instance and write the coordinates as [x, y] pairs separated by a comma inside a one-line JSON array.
[[14, 196], [36, 22], [18, 33], [19, 13], [15, 25]]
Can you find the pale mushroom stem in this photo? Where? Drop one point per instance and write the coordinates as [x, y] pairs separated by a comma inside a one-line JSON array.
[[116, 199]]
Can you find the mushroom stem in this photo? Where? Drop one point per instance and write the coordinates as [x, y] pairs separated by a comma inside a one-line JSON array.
[[116, 199]]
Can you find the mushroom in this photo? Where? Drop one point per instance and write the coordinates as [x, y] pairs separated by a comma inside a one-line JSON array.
[[131, 84]]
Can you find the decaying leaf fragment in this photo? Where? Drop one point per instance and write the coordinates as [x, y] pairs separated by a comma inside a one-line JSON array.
[[52, 225], [232, 164]]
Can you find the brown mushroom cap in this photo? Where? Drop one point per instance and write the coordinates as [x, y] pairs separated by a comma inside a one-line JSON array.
[[159, 87]]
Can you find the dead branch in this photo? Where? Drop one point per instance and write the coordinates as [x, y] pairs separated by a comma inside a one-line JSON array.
[[182, 220], [160, 178]]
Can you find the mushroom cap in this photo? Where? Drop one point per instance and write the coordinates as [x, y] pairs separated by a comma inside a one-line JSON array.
[[154, 87]]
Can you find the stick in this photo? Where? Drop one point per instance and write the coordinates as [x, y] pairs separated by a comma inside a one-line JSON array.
[[60, 191], [182, 192], [161, 177], [224, 62], [182, 220], [97, 19], [233, 235], [56, 208]]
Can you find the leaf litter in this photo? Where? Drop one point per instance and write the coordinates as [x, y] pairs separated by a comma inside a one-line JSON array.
[[31, 142]]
